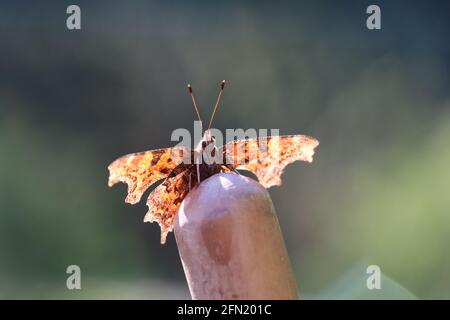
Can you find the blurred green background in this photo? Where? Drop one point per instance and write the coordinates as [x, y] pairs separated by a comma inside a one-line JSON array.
[[378, 101]]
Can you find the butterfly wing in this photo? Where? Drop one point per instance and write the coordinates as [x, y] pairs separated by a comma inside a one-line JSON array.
[[164, 201], [140, 170], [267, 157]]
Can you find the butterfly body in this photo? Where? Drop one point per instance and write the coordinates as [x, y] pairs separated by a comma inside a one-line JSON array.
[[182, 169]]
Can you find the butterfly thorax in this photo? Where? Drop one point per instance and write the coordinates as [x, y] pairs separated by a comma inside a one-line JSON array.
[[206, 141]]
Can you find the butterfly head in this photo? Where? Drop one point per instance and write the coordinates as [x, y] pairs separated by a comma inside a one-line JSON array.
[[207, 140]]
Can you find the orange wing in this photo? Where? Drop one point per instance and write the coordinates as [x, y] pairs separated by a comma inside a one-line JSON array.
[[140, 170], [164, 201], [267, 157]]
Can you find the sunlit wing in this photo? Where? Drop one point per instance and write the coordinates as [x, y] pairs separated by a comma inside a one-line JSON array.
[[267, 157], [140, 170], [164, 201]]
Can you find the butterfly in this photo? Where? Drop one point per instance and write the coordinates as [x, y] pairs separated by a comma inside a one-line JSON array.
[[182, 169]]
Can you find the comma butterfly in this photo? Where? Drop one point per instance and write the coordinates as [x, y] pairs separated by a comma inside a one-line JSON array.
[[183, 169]]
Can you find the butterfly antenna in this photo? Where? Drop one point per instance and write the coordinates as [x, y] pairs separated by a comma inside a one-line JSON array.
[[193, 102], [222, 85]]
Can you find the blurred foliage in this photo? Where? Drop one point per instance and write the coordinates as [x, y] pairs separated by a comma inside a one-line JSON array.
[[352, 285], [73, 101]]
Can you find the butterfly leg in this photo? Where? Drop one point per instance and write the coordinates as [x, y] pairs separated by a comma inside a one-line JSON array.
[[197, 164], [190, 182], [231, 168], [198, 173]]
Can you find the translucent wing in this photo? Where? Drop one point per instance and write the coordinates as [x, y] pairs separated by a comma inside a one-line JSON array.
[[267, 157], [164, 201], [140, 170]]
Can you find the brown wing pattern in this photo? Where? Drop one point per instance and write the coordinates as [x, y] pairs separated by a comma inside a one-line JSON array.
[[267, 157], [140, 170], [164, 201]]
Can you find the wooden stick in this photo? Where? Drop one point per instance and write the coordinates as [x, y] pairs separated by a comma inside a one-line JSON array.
[[230, 242]]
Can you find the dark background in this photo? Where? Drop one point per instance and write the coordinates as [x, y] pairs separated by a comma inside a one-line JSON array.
[[378, 101]]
